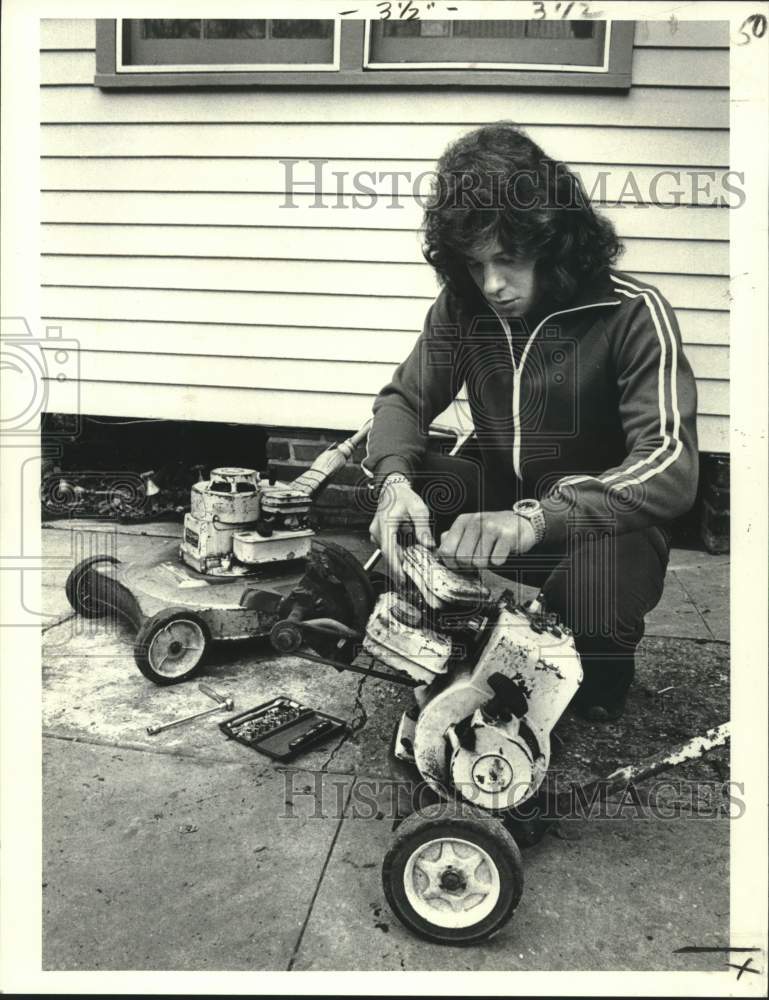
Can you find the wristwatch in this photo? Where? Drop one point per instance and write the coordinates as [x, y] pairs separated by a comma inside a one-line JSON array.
[[532, 511]]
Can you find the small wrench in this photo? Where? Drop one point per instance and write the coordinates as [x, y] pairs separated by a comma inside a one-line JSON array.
[[225, 706]]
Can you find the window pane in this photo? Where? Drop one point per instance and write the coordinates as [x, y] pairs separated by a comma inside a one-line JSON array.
[[556, 44], [416, 29], [235, 29], [302, 29], [560, 29], [228, 42], [523, 29], [170, 29], [490, 29]]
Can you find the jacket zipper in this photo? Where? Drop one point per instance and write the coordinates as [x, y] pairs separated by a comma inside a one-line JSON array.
[[518, 370]]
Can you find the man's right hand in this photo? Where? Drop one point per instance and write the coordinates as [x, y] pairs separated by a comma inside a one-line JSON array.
[[399, 507]]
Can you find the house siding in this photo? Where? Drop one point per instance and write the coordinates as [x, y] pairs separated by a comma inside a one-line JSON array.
[[168, 249]]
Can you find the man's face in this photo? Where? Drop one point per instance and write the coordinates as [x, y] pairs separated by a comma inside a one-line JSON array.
[[507, 283]]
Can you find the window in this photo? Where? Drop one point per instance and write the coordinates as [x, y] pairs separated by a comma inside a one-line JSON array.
[[335, 52], [570, 46], [204, 46]]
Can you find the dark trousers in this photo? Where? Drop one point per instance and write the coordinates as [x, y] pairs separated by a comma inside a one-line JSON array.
[[599, 583]]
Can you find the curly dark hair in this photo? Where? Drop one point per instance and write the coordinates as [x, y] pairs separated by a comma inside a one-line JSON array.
[[495, 183]]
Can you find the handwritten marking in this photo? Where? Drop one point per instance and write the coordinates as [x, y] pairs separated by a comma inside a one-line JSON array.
[[692, 949], [757, 24], [543, 10], [745, 967]]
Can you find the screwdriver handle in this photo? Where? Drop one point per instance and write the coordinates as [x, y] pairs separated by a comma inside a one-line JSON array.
[[211, 693]]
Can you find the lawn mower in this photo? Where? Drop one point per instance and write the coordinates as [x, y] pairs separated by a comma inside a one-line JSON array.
[[491, 676], [249, 565]]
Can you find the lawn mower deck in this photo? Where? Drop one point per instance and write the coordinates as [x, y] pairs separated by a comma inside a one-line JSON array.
[[176, 612]]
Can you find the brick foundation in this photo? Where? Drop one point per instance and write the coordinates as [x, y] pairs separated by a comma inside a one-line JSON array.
[[715, 502], [346, 501]]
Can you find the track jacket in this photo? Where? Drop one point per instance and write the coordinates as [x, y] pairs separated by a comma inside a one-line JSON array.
[[593, 412]]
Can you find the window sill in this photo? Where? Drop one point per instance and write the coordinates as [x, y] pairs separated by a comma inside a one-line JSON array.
[[514, 79]]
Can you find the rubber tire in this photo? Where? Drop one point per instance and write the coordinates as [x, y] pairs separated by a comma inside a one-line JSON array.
[[456, 820], [73, 591], [145, 635]]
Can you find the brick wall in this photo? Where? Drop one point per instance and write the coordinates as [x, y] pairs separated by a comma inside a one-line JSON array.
[[715, 503], [345, 502]]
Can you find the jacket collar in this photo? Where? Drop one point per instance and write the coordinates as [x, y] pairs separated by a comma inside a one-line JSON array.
[[600, 292], [485, 321]]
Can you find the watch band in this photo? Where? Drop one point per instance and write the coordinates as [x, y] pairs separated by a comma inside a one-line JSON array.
[[532, 511], [392, 479], [395, 478]]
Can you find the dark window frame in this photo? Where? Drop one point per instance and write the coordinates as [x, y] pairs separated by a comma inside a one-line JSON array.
[[352, 71], [196, 52]]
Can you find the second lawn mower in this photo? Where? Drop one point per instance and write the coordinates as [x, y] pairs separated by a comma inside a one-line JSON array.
[[248, 565]]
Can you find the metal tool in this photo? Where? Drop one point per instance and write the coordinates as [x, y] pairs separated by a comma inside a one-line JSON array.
[[220, 698], [225, 706]]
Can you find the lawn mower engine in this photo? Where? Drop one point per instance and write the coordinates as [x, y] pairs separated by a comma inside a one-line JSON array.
[[238, 521], [495, 677]]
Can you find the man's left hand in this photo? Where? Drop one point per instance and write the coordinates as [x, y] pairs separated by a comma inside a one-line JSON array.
[[487, 538]]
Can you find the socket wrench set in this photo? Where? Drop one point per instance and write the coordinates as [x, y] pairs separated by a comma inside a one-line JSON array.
[[282, 728]]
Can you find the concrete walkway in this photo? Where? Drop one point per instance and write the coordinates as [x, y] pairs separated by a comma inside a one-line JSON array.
[[186, 851]]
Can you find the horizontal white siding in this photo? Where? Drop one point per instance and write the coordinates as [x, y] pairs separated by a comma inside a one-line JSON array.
[[695, 146], [683, 256], [268, 308], [358, 280], [301, 343], [168, 249]]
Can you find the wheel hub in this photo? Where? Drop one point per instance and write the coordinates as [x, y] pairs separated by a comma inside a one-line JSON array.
[[176, 648], [492, 773], [451, 882]]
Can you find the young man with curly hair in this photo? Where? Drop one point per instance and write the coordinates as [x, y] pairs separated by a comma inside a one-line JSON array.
[[583, 405]]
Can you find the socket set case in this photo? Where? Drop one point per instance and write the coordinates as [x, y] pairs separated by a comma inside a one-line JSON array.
[[282, 728]]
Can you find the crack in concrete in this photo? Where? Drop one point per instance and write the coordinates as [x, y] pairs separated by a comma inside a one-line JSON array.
[[356, 724], [694, 605], [332, 845], [59, 621]]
